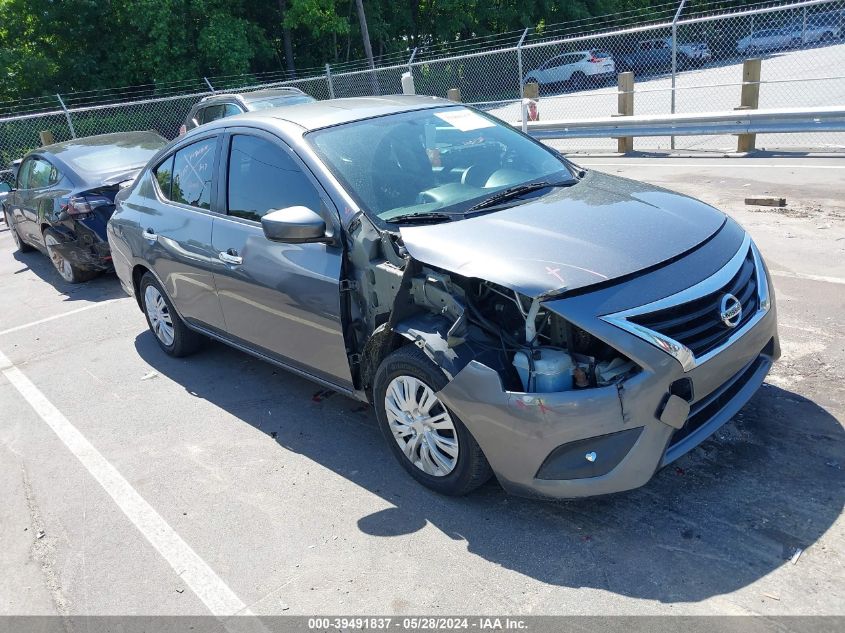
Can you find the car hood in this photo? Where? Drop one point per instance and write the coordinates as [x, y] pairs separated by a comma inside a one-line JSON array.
[[600, 229]]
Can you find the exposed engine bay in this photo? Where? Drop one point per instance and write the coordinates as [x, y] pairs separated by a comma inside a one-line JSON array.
[[457, 319]]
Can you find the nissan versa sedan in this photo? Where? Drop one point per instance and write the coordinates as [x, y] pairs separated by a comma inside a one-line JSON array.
[[506, 312], [64, 195]]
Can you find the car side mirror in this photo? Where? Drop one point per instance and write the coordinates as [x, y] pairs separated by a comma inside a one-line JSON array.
[[294, 225]]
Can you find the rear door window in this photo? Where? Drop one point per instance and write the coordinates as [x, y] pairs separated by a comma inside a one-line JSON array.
[[193, 167], [23, 174], [164, 175], [41, 174], [264, 177], [186, 176]]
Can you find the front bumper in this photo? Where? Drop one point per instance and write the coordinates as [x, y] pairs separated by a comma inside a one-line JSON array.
[[597, 441], [518, 432]]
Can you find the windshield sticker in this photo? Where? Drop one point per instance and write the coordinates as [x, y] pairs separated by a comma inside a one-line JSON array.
[[464, 120]]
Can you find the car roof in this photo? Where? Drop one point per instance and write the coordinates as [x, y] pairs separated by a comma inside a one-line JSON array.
[[77, 145], [567, 54], [320, 114], [271, 93], [64, 154], [255, 95]]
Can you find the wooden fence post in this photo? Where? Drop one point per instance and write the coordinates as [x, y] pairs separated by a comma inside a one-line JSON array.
[[750, 100], [625, 144]]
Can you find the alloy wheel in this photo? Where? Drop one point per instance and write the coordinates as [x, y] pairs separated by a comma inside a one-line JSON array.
[[61, 264], [421, 425], [159, 314]]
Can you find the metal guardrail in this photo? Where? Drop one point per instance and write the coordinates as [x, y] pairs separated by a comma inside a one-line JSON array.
[[776, 120]]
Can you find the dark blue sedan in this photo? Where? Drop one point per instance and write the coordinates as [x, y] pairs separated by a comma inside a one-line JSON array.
[[63, 196]]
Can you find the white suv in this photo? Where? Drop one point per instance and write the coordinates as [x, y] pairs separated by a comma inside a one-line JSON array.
[[574, 69], [769, 39]]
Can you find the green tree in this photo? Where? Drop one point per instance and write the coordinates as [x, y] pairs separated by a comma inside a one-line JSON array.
[[50, 46]]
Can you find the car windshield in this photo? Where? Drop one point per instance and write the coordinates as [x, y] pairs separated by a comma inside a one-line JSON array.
[[435, 161], [275, 102]]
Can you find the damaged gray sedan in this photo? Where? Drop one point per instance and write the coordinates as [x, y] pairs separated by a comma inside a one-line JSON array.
[[506, 312]]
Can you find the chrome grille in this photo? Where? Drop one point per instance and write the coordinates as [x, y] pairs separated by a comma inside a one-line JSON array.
[[697, 324], [694, 325]]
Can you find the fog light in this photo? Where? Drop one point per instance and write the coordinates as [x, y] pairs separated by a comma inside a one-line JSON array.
[[579, 459]]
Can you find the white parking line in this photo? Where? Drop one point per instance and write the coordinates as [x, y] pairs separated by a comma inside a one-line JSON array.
[[791, 275], [186, 563], [18, 328]]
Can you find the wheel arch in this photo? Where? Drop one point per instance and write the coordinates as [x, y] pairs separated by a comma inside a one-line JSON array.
[[379, 346], [428, 332], [138, 272]]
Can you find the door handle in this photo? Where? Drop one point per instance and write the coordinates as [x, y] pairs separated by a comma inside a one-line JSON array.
[[231, 257], [149, 234]]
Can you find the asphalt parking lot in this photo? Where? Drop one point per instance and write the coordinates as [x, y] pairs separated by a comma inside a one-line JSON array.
[[135, 483]]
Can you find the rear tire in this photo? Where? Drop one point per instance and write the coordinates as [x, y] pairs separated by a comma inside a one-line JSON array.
[[71, 273], [429, 441], [20, 245], [170, 331]]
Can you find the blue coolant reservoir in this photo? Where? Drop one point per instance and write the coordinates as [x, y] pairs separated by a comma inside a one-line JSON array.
[[552, 370]]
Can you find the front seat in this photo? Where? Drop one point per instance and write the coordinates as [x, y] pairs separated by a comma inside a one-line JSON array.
[[401, 169]]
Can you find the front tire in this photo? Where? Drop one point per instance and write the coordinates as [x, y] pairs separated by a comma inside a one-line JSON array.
[[71, 273], [170, 331], [429, 441]]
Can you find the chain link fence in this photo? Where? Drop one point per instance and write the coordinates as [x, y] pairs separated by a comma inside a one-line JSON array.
[[684, 61], [695, 64]]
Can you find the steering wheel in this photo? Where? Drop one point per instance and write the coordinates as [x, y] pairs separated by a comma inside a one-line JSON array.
[[401, 171]]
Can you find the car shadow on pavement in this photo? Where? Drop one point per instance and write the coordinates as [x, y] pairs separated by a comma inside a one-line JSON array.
[[100, 288], [741, 505]]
